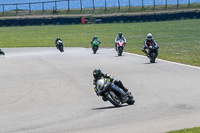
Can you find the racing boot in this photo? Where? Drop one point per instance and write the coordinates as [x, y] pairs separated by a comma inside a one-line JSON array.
[[123, 98], [119, 84]]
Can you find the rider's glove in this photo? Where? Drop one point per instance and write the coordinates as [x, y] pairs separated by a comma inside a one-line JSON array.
[[95, 89]]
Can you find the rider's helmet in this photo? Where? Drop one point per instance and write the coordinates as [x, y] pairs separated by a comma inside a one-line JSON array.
[[149, 36], [120, 34], [58, 38], [97, 73], [95, 37]]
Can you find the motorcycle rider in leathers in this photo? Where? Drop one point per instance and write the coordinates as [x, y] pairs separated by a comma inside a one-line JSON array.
[[58, 38], [95, 38], [98, 75], [119, 36], [148, 41]]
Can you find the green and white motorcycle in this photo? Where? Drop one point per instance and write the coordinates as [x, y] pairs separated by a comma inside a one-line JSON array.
[[95, 46]]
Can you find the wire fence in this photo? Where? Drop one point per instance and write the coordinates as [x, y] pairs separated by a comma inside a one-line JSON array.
[[93, 4]]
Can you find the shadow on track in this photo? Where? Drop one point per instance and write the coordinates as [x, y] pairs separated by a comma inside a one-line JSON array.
[[110, 107], [150, 63]]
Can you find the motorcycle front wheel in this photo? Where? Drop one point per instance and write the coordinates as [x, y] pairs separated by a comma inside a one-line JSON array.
[[120, 50], [61, 49], [153, 57], [94, 48], [115, 100]]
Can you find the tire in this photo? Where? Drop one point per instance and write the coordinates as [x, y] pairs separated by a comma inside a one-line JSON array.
[[61, 49], [120, 50], [114, 100], [94, 48], [153, 57]]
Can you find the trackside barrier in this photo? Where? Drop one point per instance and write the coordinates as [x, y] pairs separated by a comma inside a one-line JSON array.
[[103, 19]]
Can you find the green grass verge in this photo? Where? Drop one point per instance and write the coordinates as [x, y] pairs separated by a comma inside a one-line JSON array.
[[179, 41], [187, 130]]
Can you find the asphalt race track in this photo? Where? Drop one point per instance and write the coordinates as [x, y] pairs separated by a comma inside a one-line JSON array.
[[45, 91]]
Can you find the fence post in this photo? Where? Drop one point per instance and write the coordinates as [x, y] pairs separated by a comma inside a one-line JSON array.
[[118, 5], [93, 5], [42, 7], [105, 5], [142, 4], [29, 8], [165, 4], [154, 4], [188, 3], [3, 8], [129, 5], [81, 4], [55, 5], [68, 5], [16, 9], [177, 4]]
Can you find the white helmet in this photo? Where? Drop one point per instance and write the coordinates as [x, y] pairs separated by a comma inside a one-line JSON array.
[[149, 36]]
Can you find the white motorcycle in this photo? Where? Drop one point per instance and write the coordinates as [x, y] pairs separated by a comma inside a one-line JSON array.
[[114, 94], [120, 47]]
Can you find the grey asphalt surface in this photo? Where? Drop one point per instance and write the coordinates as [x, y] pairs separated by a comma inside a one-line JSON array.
[[45, 91]]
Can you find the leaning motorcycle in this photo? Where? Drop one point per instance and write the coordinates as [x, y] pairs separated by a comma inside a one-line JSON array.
[[1, 52], [95, 46], [153, 52], [120, 47], [112, 93], [60, 46]]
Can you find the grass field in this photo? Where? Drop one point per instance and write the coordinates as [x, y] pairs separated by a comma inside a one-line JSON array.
[[188, 130], [179, 41]]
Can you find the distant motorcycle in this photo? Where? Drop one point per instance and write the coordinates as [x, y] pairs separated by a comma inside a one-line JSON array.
[[153, 52], [111, 92], [1, 52], [95, 46], [60, 45], [120, 47]]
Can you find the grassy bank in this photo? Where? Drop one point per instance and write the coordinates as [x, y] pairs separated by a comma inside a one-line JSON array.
[[188, 130], [179, 40]]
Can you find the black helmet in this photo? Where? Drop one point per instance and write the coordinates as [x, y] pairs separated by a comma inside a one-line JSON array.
[[97, 73], [120, 34]]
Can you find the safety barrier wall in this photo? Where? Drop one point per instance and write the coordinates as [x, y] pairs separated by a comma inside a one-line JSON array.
[[105, 19]]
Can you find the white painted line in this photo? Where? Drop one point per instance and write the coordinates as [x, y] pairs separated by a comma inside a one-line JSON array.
[[196, 67]]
